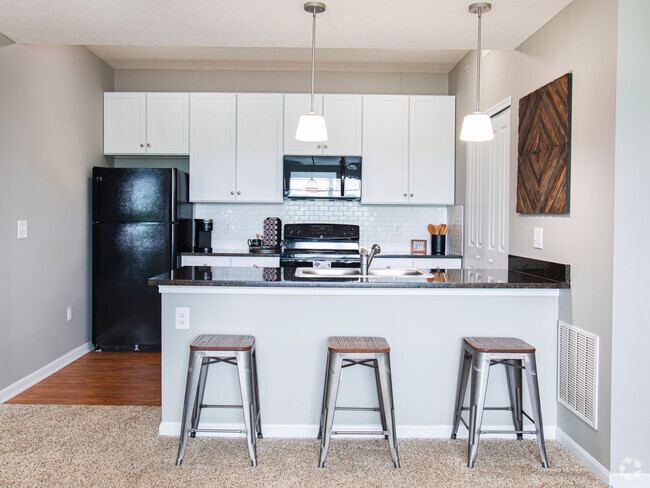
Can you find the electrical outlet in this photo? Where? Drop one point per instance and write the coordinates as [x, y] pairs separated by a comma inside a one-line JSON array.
[[227, 227], [538, 237], [395, 228], [22, 229], [182, 317], [68, 313]]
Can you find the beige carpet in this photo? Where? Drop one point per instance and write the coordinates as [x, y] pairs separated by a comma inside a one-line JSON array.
[[71, 446]]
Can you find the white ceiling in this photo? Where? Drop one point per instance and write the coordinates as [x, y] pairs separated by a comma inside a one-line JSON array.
[[356, 35]]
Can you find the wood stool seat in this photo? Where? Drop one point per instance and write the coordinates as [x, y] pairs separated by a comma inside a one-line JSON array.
[[373, 345], [499, 345], [214, 342]]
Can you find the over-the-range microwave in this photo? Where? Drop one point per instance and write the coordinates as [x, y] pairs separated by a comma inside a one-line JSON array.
[[331, 177]]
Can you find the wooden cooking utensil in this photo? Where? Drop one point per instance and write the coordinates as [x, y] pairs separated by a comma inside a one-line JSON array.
[[431, 228]]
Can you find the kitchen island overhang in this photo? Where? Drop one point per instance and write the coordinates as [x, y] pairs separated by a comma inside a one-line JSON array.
[[291, 320]]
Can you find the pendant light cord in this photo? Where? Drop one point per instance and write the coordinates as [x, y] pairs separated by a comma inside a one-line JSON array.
[[313, 57], [478, 63]]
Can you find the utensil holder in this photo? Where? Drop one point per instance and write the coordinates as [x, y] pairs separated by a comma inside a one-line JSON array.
[[438, 244]]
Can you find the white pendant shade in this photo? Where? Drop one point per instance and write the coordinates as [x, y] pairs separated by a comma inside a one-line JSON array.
[[311, 128], [477, 127]]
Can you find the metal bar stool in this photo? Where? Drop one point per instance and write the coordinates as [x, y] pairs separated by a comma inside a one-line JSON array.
[[479, 354], [238, 350], [343, 352]]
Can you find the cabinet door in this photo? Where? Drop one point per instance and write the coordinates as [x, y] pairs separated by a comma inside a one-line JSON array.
[[431, 150], [213, 147], [259, 147], [385, 263], [124, 123], [437, 263], [194, 260], [296, 105], [343, 119], [385, 149], [256, 261], [167, 123]]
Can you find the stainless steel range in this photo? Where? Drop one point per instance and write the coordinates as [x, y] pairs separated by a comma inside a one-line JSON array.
[[305, 244]]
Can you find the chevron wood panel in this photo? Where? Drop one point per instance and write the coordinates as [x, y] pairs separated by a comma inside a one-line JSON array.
[[545, 149]]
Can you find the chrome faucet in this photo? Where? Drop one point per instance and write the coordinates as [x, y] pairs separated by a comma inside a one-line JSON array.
[[366, 258]]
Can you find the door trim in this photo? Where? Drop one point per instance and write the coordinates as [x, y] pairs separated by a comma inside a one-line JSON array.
[[499, 107]]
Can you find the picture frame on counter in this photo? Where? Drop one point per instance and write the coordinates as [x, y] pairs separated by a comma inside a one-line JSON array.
[[418, 246]]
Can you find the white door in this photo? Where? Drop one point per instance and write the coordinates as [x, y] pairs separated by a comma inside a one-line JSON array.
[[343, 119], [213, 118], [168, 123], [295, 106], [259, 147], [431, 150], [385, 149], [487, 194], [124, 123]]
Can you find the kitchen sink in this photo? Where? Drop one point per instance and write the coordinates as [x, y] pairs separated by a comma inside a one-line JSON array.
[[356, 273]]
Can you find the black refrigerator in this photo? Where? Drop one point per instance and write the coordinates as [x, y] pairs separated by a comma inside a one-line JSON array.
[[142, 220]]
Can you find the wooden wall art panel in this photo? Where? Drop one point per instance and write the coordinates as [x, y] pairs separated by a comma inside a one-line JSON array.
[[543, 170]]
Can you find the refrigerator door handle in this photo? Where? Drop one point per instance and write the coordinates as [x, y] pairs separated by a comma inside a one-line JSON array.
[[174, 245]]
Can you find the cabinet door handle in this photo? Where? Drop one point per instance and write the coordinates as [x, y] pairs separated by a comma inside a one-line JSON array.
[[239, 193], [148, 144], [478, 256], [404, 194], [490, 261], [325, 146], [142, 144], [318, 147], [232, 192], [411, 194]]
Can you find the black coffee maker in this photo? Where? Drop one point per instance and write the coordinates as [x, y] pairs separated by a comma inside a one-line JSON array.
[[203, 235]]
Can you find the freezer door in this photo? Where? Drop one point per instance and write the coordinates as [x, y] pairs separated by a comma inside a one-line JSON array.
[[134, 195], [126, 311]]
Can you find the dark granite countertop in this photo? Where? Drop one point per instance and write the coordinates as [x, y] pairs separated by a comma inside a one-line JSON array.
[[276, 254], [284, 277]]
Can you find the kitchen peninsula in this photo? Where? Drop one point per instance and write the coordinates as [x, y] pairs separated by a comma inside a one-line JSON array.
[[423, 319]]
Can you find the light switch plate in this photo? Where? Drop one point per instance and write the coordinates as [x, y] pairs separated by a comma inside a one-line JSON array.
[[22, 229], [538, 237], [182, 317]]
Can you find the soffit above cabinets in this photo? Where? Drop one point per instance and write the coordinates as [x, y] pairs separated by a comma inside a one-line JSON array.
[[391, 35]]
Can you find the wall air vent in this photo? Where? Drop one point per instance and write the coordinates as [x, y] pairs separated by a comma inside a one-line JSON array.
[[577, 383]]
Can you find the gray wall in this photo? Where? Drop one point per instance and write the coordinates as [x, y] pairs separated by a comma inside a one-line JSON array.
[[50, 136], [631, 315], [279, 81], [581, 39]]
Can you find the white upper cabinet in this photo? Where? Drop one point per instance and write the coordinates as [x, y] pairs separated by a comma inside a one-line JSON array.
[[408, 149], [431, 150], [168, 123], [343, 119], [296, 105], [146, 123], [124, 123], [385, 149], [213, 119], [259, 147]]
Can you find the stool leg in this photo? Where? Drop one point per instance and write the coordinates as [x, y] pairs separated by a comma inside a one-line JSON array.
[[258, 421], [535, 405], [463, 373], [244, 367], [196, 413], [383, 362], [513, 375], [480, 374], [382, 412], [191, 386], [334, 375], [322, 410]]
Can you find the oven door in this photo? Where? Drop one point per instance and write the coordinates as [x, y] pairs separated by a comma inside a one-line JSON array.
[[331, 177], [301, 260]]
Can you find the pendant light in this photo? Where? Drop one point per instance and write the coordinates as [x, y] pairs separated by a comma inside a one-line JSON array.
[[311, 127], [477, 126]]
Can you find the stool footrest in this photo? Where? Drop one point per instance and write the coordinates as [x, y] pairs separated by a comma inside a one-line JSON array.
[[507, 432], [492, 408], [220, 406], [359, 432], [359, 409], [222, 431]]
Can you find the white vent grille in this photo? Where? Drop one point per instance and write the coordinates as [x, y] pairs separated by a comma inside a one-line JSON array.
[[577, 385]]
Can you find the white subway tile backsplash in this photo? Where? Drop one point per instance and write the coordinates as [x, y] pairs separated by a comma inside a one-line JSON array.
[[376, 222]]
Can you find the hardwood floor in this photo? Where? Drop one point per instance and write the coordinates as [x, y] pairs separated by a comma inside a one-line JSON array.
[[101, 378]]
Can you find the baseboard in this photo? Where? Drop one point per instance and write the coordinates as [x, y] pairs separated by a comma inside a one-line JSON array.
[[311, 430], [42, 373], [583, 456], [629, 480]]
